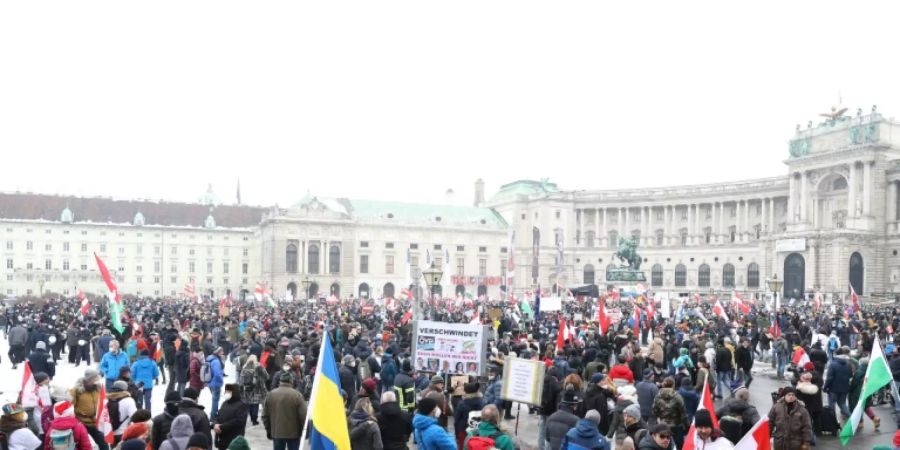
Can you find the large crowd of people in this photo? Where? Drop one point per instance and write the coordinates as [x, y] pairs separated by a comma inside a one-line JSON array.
[[632, 386]]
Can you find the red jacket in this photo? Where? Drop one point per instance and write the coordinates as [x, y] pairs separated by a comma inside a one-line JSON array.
[[79, 432], [621, 371], [194, 380]]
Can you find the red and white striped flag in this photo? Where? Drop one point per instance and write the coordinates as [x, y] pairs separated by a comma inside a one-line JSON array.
[[189, 289], [602, 318], [407, 293], [706, 402], [854, 299], [561, 334], [719, 311], [102, 419], [85, 304], [738, 302], [28, 396], [800, 357], [758, 438]]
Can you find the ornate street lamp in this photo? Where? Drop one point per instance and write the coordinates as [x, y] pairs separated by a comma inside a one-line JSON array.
[[775, 286], [432, 277], [306, 284]]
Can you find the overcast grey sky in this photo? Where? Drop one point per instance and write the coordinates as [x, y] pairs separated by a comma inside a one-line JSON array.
[[401, 100]]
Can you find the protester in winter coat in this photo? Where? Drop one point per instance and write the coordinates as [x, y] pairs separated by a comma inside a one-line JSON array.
[[284, 412], [646, 391], [13, 426], [739, 406], [144, 372], [394, 424], [837, 382], [493, 390], [471, 401], [86, 401], [789, 423], [810, 394], [254, 381], [41, 361], [162, 423], [232, 418], [564, 419], [217, 379], [669, 409], [363, 427], [182, 368], [428, 434], [490, 427], [180, 433], [621, 371], [596, 397], [707, 437], [585, 434], [118, 397], [112, 363], [660, 437], [194, 369], [64, 419], [189, 406], [635, 427], [690, 397]]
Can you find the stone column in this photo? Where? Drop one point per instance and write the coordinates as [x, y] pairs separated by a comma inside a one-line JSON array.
[[690, 226], [792, 192], [605, 225], [772, 215], [666, 224], [643, 225], [715, 222], [627, 212], [804, 197], [867, 187], [599, 239], [722, 222], [851, 186], [323, 267], [763, 220], [891, 209], [621, 221]]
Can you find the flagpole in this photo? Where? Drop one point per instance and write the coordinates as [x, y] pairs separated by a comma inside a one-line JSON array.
[[312, 397]]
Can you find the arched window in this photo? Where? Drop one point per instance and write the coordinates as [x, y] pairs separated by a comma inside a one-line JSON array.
[[680, 275], [703, 275], [334, 259], [613, 239], [364, 290], [292, 288], [589, 239], [753, 275], [313, 290], [388, 291], [656, 275], [460, 290], [660, 238], [482, 290], [312, 258], [728, 276], [589, 274], [290, 254], [336, 290]]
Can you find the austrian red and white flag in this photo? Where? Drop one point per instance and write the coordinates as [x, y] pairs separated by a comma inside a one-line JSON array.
[[738, 302], [818, 300], [758, 438], [102, 419], [407, 293], [706, 402], [800, 357], [637, 321], [719, 311], [85, 304], [561, 335], [260, 292], [854, 299], [602, 317], [28, 396], [189, 289]]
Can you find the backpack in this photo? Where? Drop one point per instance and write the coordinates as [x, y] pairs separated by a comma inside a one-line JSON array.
[[832, 343], [62, 440], [173, 443], [248, 379], [365, 371], [112, 408], [4, 440], [205, 372], [476, 442]]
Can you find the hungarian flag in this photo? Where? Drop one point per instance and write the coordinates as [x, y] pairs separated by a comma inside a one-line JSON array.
[[854, 299], [602, 317], [800, 357], [115, 300], [85, 304], [407, 316], [28, 396], [102, 419], [757, 438], [706, 402], [878, 375]]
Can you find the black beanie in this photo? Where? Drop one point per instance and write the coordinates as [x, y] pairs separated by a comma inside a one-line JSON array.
[[703, 419], [198, 440], [426, 406], [173, 397]]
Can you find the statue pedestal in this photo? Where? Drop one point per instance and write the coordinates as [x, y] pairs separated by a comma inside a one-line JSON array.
[[626, 274]]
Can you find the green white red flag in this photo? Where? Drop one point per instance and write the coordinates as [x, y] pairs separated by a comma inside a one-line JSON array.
[[115, 299]]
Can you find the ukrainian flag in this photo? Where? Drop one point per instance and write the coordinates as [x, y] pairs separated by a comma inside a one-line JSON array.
[[329, 431]]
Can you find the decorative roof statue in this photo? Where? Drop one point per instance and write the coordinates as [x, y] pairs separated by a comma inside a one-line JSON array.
[[139, 219], [67, 216]]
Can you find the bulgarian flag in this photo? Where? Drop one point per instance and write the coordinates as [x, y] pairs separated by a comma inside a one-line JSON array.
[[115, 300], [757, 438], [878, 375], [102, 419], [706, 402]]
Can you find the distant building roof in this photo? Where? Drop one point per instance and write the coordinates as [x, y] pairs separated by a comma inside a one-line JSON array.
[[408, 213], [527, 188], [28, 206]]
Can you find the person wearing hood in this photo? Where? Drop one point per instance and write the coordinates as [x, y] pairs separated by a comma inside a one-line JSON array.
[[707, 437], [144, 372], [690, 396], [683, 362], [363, 427], [162, 423], [217, 379], [668, 407], [284, 413], [189, 406], [837, 382], [739, 407], [585, 434], [181, 431], [789, 423], [660, 437], [86, 401], [394, 424], [41, 361], [64, 420], [564, 419], [599, 392], [18, 435], [809, 391], [429, 435], [490, 427], [471, 401], [646, 392], [232, 418]]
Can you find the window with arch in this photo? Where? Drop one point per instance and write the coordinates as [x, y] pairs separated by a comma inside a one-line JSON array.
[[660, 238], [680, 275], [703, 275], [290, 256], [613, 239], [334, 259], [656, 275], [388, 291], [728, 276], [312, 256], [589, 274], [753, 275], [589, 239]]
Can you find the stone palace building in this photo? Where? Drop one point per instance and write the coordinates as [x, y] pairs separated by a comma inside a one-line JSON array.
[[830, 222]]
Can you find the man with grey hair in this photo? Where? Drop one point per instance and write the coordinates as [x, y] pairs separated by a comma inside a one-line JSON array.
[[394, 423], [490, 428]]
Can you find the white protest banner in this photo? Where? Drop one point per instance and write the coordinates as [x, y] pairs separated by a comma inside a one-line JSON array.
[[665, 306], [551, 304], [523, 381], [449, 348]]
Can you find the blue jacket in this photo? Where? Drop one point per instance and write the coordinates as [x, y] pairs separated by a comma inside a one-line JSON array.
[[585, 435], [215, 366], [492, 392], [110, 364], [103, 343], [144, 370], [430, 435], [838, 380]]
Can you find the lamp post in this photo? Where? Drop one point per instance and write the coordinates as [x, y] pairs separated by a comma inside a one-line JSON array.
[[305, 283], [775, 286], [432, 277]]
